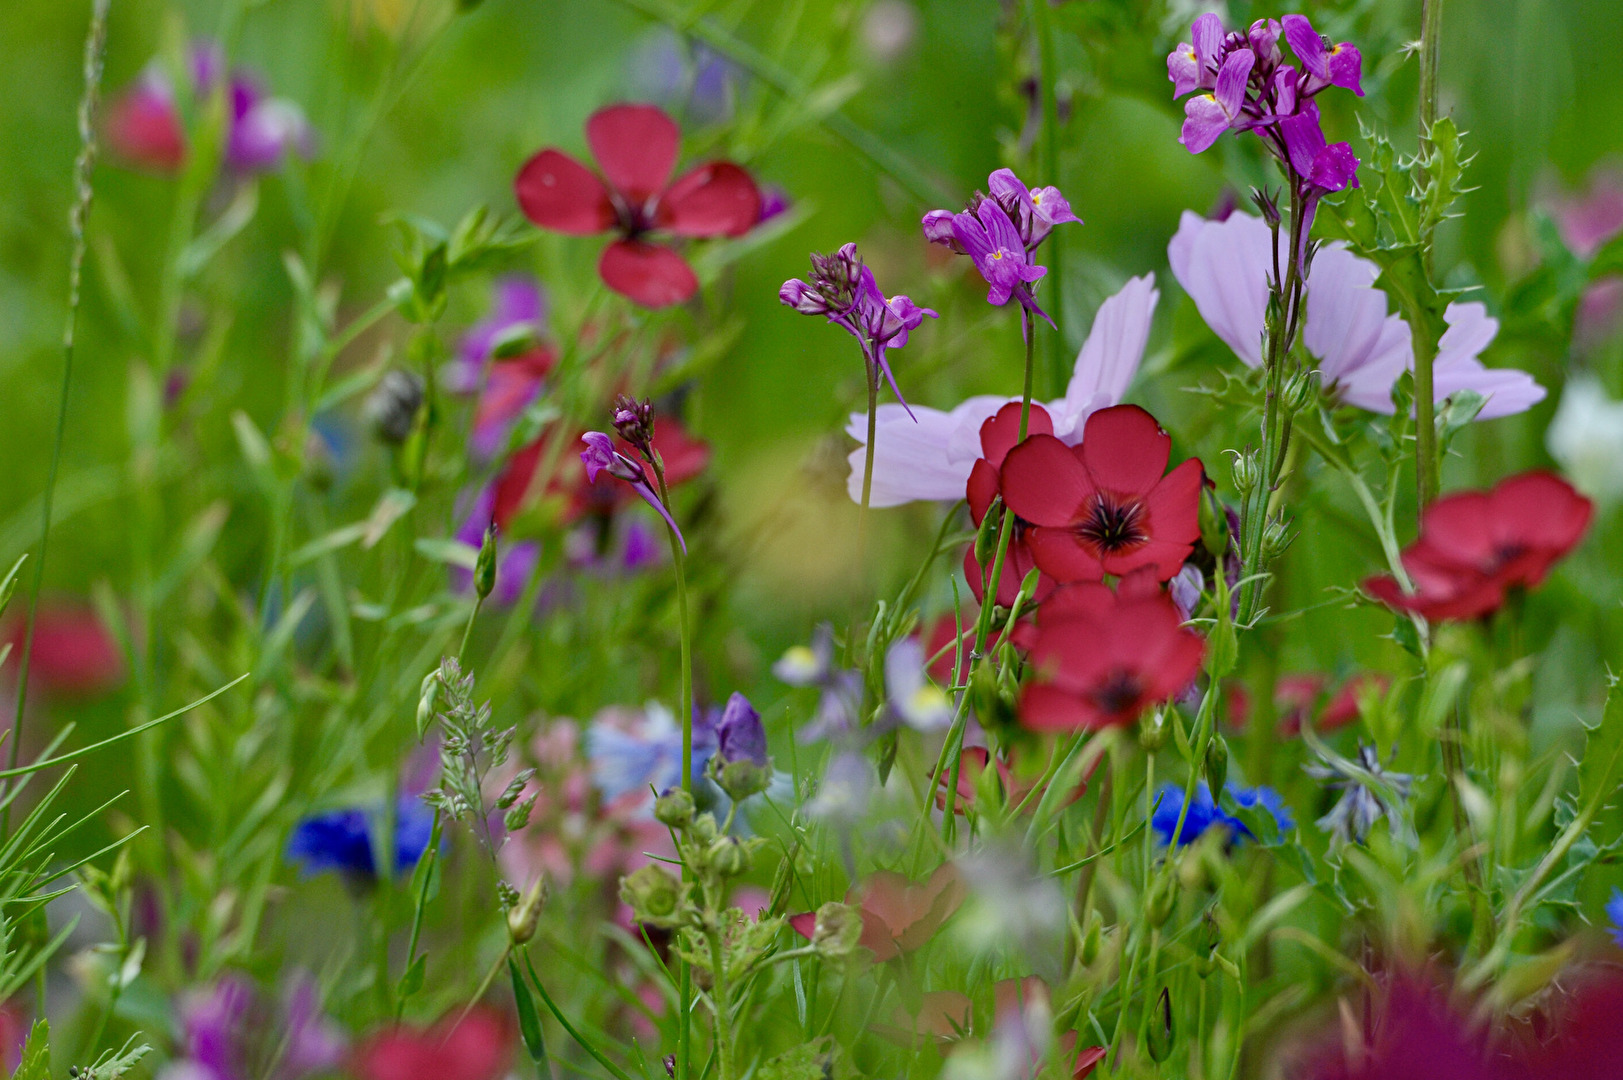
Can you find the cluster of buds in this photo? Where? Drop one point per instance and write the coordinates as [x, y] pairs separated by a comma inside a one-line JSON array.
[[634, 422], [1247, 86]]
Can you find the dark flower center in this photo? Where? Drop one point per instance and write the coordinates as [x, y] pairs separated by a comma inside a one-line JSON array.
[[1113, 526], [1119, 693], [1505, 554]]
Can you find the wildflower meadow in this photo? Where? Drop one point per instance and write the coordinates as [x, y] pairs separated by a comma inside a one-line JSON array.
[[719, 540]]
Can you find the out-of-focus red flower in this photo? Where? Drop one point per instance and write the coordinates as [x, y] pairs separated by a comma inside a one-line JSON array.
[[898, 915], [972, 762], [1415, 1034], [1102, 657], [685, 457], [1476, 545], [477, 1048], [1585, 1040], [1107, 506], [73, 655], [999, 434], [143, 128], [1298, 696], [636, 147], [938, 640]]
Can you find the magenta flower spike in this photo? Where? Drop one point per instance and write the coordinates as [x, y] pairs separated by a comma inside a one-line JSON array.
[[1206, 117], [600, 456]]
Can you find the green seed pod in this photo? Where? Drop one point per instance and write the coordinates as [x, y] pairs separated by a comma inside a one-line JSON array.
[[728, 857], [1246, 472], [674, 808], [986, 536], [1206, 943], [524, 916], [1214, 525], [1158, 1036], [427, 700], [484, 571], [1217, 765], [654, 896]]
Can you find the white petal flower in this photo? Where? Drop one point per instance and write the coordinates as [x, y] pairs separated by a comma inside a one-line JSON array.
[[1586, 437]]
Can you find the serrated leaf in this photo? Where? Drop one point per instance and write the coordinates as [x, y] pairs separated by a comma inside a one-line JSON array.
[[36, 1058], [1602, 758]]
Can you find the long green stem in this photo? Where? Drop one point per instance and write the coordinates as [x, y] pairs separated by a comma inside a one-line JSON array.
[[95, 50], [1425, 351], [867, 465], [1048, 74]]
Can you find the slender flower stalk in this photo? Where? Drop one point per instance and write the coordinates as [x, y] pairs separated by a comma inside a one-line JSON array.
[[1427, 479]]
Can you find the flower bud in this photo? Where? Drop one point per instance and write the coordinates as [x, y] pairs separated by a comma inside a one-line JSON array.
[[1158, 1033], [986, 537], [739, 779], [728, 857], [1214, 524], [1300, 390], [1159, 902], [1206, 943], [1216, 765], [838, 930], [1276, 538], [704, 828], [1153, 731], [1247, 473], [427, 700], [674, 808], [654, 896], [484, 570], [524, 916], [1267, 203], [634, 422]]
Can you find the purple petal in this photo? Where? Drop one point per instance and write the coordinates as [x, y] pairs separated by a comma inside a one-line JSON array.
[[598, 455], [1304, 138], [1204, 122], [1207, 35], [1346, 65], [1183, 69], [971, 235], [1306, 43], [999, 229], [650, 497], [1335, 168], [938, 227], [1231, 81]]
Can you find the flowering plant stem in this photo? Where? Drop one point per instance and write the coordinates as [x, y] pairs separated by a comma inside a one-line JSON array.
[[1425, 345], [684, 1037]]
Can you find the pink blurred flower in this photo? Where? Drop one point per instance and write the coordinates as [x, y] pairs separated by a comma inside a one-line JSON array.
[[73, 654]]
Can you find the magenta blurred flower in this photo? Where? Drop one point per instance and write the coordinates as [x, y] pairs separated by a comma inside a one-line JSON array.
[[1361, 350], [506, 386], [230, 1032]]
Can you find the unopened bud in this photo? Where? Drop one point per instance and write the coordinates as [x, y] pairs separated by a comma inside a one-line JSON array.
[[1300, 390], [1158, 1033], [484, 570], [1247, 473], [1153, 731], [634, 422], [427, 700], [838, 930], [524, 916], [1216, 765], [986, 538], [674, 808], [1276, 538], [1267, 203], [728, 857], [740, 779], [1214, 524], [1206, 943], [653, 895], [1162, 896]]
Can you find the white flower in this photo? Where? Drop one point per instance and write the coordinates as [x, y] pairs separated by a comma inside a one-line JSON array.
[[1586, 437], [1224, 266], [918, 702], [930, 460]]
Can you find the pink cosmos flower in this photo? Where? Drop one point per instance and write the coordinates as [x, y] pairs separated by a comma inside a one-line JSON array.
[[931, 460], [1361, 350]]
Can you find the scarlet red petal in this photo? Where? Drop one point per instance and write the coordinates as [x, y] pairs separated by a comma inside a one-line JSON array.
[[981, 489], [1385, 588], [1139, 585], [1081, 600], [1064, 556], [1086, 1061], [514, 483], [145, 130], [1540, 510], [1043, 482], [685, 456], [1174, 504], [636, 146], [715, 199], [1177, 663], [1460, 528], [559, 193], [1045, 707], [1125, 450], [804, 923], [1160, 558], [650, 274], [1001, 431]]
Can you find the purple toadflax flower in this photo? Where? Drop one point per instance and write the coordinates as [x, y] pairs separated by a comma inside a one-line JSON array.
[[843, 290], [1361, 350], [930, 460], [1000, 232], [230, 1032], [600, 456], [1247, 86]]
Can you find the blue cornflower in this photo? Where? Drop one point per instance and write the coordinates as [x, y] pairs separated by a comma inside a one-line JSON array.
[[1614, 915], [341, 840], [1204, 812], [633, 751]]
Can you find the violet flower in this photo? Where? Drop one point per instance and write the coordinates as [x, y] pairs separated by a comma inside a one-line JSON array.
[[1361, 350], [507, 386], [913, 698], [230, 1032], [1327, 65], [739, 734], [600, 456], [843, 290], [930, 459]]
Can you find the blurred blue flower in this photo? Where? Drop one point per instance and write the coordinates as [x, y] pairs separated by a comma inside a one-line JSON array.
[[1614, 915], [341, 840], [632, 751], [1204, 812]]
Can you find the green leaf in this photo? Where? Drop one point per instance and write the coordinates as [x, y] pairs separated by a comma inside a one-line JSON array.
[[1602, 758], [8, 584], [36, 1059], [412, 980], [449, 552], [529, 1021]]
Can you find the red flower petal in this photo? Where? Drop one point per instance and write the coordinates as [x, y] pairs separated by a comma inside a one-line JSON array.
[[1160, 558], [1460, 528], [636, 147], [1174, 504], [477, 1048], [650, 274], [1047, 708], [1001, 431], [559, 193], [1063, 556], [514, 483], [1541, 510], [804, 923], [1125, 450], [143, 129], [981, 489], [1043, 481], [715, 199], [1086, 1061], [1084, 600]]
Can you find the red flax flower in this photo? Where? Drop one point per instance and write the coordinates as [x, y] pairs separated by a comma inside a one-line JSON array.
[[999, 434], [1105, 507], [1103, 657], [636, 147], [1476, 545], [898, 915], [474, 1048]]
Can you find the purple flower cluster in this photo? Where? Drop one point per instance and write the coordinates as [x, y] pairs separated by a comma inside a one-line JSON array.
[[843, 290], [1000, 232], [1248, 87], [600, 457]]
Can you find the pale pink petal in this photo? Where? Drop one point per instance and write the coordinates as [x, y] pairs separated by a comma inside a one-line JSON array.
[[1347, 327], [1109, 357], [1224, 267], [910, 459]]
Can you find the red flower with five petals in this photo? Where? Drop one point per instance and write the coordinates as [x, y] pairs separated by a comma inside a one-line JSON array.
[[636, 146], [1105, 507], [999, 435], [1476, 545], [1103, 657]]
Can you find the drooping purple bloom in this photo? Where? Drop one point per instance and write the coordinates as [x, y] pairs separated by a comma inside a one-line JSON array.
[[739, 734], [990, 238], [600, 456], [1332, 65], [843, 290], [1207, 116]]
